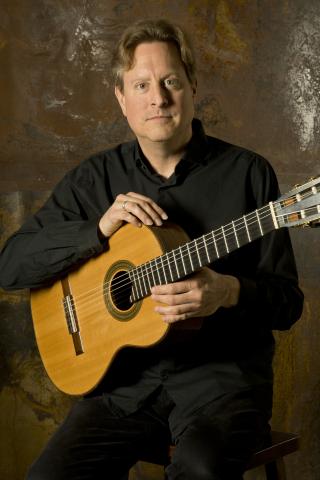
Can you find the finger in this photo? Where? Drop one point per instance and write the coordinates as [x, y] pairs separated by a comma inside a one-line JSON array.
[[129, 218], [175, 314], [142, 211], [153, 204], [142, 207], [179, 299], [172, 288]]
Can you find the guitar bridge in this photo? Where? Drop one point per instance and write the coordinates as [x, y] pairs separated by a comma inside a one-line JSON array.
[[70, 313], [71, 317]]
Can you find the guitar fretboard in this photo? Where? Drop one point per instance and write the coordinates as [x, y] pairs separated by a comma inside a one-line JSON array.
[[181, 261]]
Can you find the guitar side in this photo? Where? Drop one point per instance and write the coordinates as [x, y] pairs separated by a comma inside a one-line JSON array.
[[103, 326]]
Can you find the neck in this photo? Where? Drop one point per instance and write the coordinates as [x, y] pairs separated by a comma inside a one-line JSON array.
[[164, 163], [162, 156]]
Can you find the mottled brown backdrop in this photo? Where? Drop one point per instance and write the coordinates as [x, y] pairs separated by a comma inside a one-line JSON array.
[[259, 86]]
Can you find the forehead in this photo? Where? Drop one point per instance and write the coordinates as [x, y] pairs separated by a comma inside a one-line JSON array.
[[156, 56]]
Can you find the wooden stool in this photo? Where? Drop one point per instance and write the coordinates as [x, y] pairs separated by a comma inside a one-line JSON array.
[[270, 457]]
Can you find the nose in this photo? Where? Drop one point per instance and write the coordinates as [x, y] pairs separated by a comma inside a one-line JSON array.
[[159, 96]]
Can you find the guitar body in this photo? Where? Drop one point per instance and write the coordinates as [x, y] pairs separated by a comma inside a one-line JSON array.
[[77, 362]]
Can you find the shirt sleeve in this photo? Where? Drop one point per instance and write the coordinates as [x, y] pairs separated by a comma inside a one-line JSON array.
[[64, 232], [270, 295]]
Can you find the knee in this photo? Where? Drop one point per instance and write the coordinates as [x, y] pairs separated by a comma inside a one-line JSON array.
[[198, 454]]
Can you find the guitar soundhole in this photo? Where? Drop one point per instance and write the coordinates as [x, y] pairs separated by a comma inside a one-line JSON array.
[[117, 289], [121, 288]]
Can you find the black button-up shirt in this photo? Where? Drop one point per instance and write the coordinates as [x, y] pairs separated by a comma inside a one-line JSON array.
[[213, 184]]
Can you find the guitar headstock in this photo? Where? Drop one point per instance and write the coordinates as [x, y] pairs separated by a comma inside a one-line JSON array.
[[300, 206]]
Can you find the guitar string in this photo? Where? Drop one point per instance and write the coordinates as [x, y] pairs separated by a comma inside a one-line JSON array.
[[193, 250], [87, 306], [148, 268], [80, 308], [228, 232]]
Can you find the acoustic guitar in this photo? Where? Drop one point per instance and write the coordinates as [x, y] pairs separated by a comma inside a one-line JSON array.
[[83, 320]]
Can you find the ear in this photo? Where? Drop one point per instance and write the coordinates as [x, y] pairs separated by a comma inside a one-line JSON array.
[[121, 99]]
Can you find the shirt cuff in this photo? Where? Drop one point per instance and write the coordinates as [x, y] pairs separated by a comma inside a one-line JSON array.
[[90, 242]]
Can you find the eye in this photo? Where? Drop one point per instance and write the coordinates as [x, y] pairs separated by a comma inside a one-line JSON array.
[[172, 83], [140, 86]]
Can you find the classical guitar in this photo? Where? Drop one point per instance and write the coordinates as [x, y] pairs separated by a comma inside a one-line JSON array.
[[83, 320]]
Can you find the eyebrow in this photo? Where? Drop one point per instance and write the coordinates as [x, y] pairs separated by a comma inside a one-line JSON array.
[[145, 77]]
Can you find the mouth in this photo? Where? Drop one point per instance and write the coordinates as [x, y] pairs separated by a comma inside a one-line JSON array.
[[160, 117]]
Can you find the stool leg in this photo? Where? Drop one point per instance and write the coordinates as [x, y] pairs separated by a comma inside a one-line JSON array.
[[276, 470]]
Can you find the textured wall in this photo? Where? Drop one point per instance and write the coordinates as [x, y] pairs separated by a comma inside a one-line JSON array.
[[259, 87]]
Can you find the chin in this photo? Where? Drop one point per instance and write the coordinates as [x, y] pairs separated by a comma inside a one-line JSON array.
[[162, 134]]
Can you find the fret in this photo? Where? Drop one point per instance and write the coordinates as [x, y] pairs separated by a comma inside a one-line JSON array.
[[201, 251], [169, 267], [157, 262], [215, 245], [187, 259], [195, 255], [178, 255], [152, 273], [235, 234], [134, 291], [182, 259], [190, 257], [145, 279], [225, 240], [142, 279], [231, 235], [206, 248], [221, 243], [198, 253], [156, 272], [146, 275], [241, 230], [259, 223], [246, 225], [139, 284], [163, 270], [176, 263]]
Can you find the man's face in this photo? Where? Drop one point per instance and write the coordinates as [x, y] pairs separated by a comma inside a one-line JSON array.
[[157, 97]]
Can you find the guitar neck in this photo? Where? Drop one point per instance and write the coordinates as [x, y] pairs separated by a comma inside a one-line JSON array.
[[191, 256]]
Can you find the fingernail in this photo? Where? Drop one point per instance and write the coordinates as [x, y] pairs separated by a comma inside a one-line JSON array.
[[164, 216]]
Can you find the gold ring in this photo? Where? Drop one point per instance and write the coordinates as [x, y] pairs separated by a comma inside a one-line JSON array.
[[124, 205]]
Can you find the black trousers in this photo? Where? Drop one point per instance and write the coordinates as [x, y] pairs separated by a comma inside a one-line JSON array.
[[215, 443]]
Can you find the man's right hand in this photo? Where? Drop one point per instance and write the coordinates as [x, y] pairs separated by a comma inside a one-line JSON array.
[[131, 208]]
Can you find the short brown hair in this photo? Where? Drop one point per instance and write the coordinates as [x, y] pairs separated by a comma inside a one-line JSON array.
[[147, 31]]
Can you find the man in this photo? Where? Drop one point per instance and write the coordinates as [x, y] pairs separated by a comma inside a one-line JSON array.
[[207, 390]]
